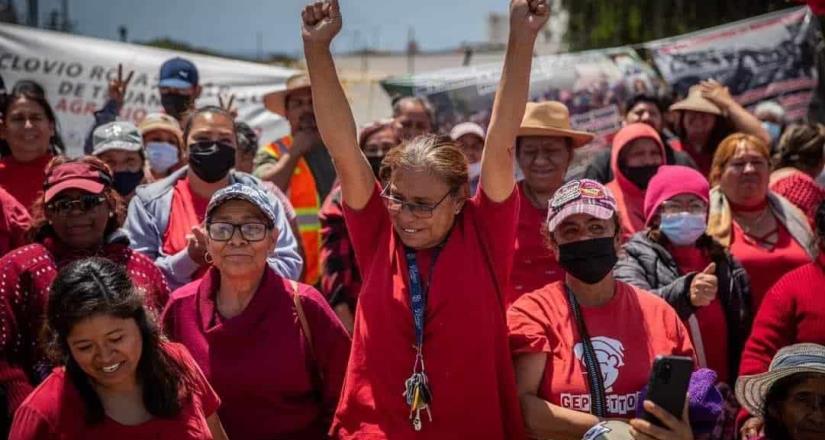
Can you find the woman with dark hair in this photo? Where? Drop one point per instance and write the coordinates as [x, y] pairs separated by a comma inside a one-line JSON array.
[[272, 348], [435, 262], [708, 115], [674, 259], [79, 215], [116, 375], [30, 131], [165, 220], [797, 162], [793, 311], [789, 397]]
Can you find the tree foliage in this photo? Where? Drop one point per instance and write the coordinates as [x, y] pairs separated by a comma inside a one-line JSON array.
[[607, 23]]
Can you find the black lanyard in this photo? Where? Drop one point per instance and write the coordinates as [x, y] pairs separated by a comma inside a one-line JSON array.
[[598, 402]]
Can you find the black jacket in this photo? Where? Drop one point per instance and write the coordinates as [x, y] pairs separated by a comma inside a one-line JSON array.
[[648, 265]]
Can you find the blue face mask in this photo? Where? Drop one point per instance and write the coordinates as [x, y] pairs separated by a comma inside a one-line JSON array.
[[161, 156], [683, 229]]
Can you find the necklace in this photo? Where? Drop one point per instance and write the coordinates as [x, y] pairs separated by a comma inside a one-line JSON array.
[[754, 225]]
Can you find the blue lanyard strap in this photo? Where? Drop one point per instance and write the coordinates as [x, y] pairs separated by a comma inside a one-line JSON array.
[[418, 294]]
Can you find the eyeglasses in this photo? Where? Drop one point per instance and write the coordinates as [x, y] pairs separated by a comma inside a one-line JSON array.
[[419, 210], [678, 208], [220, 231], [85, 203]]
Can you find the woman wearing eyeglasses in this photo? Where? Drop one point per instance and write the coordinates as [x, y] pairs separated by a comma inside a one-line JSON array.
[[272, 348], [78, 215], [430, 357], [675, 259]]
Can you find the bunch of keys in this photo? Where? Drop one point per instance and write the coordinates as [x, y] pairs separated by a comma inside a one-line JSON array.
[[418, 397]]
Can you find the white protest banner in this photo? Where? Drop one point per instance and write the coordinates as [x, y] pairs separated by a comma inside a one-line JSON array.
[[75, 71], [766, 57]]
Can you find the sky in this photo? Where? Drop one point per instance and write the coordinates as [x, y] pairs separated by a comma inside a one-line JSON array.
[[232, 26]]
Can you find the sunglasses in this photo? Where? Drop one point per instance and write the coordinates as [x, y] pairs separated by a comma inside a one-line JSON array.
[[84, 203]]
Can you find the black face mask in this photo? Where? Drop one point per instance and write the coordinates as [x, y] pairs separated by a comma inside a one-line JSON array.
[[174, 104], [211, 161], [375, 164], [126, 181], [588, 260], [640, 176]]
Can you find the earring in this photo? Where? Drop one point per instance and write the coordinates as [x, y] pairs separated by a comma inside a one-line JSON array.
[[111, 214], [207, 258]]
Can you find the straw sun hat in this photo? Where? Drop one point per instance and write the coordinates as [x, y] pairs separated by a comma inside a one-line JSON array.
[[794, 359], [551, 118], [697, 103]]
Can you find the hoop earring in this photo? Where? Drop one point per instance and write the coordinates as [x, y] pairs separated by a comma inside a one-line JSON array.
[[208, 258]]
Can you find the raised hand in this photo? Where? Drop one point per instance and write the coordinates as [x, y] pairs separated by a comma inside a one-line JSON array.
[[528, 17], [716, 93], [321, 22], [704, 286], [118, 86], [227, 104]]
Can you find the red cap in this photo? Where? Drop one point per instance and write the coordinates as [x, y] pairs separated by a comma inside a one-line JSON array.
[[75, 175]]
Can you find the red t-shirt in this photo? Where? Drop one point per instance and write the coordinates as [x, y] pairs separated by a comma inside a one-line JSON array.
[[627, 334], [24, 180], [259, 361], [709, 331], [55, 410], [534, 265], [187, 211], [14, 221], [766, 266], [465, 336]]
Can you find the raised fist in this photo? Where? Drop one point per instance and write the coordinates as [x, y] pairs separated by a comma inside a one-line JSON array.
[[321, 22], [528, 17]]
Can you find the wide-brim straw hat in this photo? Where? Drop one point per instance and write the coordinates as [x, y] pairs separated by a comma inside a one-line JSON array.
[[551, 118], [794, 359], [276, 101], [697, 103]]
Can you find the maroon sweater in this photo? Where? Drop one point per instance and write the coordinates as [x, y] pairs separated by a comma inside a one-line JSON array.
[[25, 277], [792, 311], [272, 384]]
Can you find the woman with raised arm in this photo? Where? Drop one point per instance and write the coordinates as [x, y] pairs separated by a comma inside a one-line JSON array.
[[434, 263]]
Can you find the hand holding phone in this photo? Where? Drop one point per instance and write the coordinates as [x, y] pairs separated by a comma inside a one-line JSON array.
[[668, 385]]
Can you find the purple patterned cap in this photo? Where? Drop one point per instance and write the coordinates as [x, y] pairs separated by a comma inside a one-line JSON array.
[[582, 196], [250, 193]]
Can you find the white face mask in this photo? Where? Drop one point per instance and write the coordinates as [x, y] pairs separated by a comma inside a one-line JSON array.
[[474, 170], [161, 156]]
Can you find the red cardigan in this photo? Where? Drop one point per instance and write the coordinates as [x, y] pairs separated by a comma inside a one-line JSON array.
[[25, 277], [792, 311]]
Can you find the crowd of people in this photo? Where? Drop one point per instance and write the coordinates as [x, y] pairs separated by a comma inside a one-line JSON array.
[[180, 282]]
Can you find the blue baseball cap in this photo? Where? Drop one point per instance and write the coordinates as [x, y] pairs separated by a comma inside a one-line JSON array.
[[178, 73]]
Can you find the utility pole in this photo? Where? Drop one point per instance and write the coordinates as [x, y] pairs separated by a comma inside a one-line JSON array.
[[65, 25], [124, 33], [412, 49], [33, 13]]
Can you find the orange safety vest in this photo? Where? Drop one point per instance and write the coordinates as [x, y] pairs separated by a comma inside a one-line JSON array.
[[303, 193]]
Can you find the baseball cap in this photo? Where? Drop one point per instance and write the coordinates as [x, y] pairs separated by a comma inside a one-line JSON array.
[[118, 135], [466, 128], [75, 175], [252, 194], [178, 73], [583, 196], [609, 430], [161, 121]]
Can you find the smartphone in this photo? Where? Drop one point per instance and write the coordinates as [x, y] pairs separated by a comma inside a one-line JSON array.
[[668, 385]]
